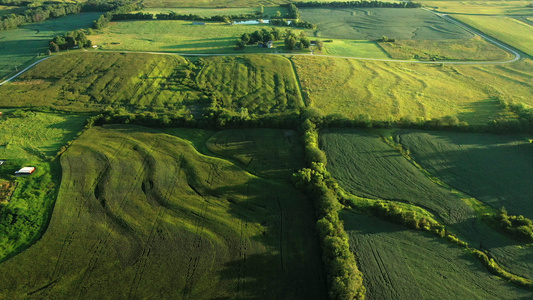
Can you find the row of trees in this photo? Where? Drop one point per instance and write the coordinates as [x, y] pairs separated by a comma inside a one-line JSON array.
[[519, 227], [38, 14], [295, 42], [103, 20], [363, 3], [345, 281]]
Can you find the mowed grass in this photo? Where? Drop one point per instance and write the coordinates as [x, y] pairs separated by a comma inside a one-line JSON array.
[[470, 50], [389, 91], [20, 46], [88, 81], [373, 23], [259, 84], [354, 48], [480, 7], [509, 30], [141, 214], [175, 36], [271, 153], [404, 264]]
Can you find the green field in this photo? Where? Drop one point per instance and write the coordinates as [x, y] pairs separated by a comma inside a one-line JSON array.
[[373, 23], [93, 81], [141, 214], [406, 264], [208, 12], [493, 168], [509, 30], [176, 36], [480, 7], [261, 84], [471, 50], [267, 152], [390, 91], [210, 3], [6, 10], [20, 46], [354, 48]]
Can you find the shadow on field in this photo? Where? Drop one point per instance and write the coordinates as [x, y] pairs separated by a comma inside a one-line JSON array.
[[481, 111]]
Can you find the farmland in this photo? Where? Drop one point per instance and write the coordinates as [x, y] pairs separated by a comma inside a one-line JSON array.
[[480, 7], [405, 264], [373, 23], [135, 81], [270, 153], [120, 220], [21, 45], [174, 36], [509, 30], [389, 91], [475, 49], [209, 12]]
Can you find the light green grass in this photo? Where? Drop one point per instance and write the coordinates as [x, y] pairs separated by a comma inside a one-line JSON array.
[[20, 46], [141, 213], [211, 4], [390, 91], [176, 36], [480, 7], [373, 23], [354, 48], [509, 30], [404, 264], [470, 50], [271, 153], [208, 12]]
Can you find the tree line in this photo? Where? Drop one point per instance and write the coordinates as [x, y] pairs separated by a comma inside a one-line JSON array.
[[347, 4], [38, 14], [518, 227]]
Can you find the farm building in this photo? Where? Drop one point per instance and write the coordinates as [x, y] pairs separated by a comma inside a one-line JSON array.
[[270, 44], [25, 171]]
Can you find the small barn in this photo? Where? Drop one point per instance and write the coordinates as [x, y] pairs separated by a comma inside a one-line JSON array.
[[25, 171], [270, 44]]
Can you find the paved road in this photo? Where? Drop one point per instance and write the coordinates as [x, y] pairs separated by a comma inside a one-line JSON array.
[[24, 70]]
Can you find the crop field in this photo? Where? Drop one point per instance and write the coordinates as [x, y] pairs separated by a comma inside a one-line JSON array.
[[404, 264], [141, 214], [385, 91], [263, 84], [175, 36], [373, 23], [493, 168], [272, 153], [354, 48], [509, 30], [472, 50], [89, 81], [22, 45], [480, 7]]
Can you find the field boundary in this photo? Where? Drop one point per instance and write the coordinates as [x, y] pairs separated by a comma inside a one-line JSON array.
[[24, 70]]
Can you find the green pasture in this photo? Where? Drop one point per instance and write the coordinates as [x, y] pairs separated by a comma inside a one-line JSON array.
[[209, 12], [468, 50], [268, 152], [250, 84], [390, 91], [404, 264], [480, 7], [93, 81], [210, 4], [141, 214], [354, 48], [508, 30], [20, 46], [177, 36], [6, 10], [373, 23]]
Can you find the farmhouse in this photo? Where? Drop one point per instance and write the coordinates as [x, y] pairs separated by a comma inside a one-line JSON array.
[[25, 171]]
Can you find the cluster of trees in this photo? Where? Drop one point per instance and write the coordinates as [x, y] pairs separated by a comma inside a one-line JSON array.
[[363, 3], [519, 227], [523, 122], [38, 14], [293, 12], [103, 20], [293, 41], [258, 36], [70, 40], [294, 23], [386, 39], [345, 281]]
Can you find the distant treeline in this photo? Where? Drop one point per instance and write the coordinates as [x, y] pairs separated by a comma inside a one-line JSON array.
[[53, 10], [363, 3], [104, 19]]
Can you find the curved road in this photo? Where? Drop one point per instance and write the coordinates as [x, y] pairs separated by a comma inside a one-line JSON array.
[[470, 29]]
